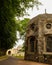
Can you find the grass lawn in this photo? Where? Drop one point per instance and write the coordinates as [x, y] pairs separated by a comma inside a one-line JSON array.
[[3, 57], [20, 57]]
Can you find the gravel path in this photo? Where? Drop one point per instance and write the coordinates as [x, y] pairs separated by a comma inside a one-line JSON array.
[[15, 61]]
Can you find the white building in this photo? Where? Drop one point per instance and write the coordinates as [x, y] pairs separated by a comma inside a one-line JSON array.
[[11, 52]]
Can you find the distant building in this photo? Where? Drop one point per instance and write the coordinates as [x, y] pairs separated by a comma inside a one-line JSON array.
[[11, 52], [15, 51], [19, 47], [38, 44]]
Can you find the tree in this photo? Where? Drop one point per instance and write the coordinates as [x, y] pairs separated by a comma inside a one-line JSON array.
[[21, 27], [9, 9], [7, 35]]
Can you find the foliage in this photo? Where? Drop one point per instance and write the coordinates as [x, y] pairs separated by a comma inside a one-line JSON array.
[[23, 48], [8, 10], [7, 34], [21, 26], [17, 7]]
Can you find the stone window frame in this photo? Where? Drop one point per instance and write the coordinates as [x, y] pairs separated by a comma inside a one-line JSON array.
[[49, 22], [45, 51], [29, 46], [48, 25]]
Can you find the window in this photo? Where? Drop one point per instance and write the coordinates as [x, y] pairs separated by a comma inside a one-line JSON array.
[[49, 43], [32, 39], [32, 26], [48, 25]]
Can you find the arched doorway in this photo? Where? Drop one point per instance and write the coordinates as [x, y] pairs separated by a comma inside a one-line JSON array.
[[9, 52]]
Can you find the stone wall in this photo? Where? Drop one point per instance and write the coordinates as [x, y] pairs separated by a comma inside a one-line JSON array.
[[39, 28]]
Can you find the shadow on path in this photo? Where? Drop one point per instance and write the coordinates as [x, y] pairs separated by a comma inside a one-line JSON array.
[[15, 61]]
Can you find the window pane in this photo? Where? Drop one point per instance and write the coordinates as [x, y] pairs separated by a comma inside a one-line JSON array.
[[32, 43], [49, 44], [32, 26]]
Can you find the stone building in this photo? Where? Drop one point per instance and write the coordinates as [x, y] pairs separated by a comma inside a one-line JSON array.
[[38, 42]]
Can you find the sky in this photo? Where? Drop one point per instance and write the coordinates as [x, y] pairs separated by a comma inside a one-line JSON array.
[[47, 4]]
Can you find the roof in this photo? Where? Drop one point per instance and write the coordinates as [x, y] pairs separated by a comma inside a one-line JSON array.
[[40, 16]]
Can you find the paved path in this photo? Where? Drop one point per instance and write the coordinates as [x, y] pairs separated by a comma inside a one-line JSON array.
[[15, 61]]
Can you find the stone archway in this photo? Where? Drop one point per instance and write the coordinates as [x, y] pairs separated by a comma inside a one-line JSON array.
[[9, 52]]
